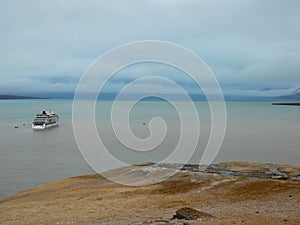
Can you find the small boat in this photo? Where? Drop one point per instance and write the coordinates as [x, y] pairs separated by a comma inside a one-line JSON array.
[[45, 120]]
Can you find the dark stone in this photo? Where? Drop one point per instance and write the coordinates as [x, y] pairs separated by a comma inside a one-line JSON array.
[[191, 214]]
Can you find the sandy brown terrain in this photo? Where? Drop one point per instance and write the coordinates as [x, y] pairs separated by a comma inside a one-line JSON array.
[[91, 199]]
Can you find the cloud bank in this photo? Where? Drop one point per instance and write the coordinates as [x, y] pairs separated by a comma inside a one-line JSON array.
[[252, 46]]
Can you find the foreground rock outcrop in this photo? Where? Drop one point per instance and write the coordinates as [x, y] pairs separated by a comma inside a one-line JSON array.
[[234, 193], [191, 214]]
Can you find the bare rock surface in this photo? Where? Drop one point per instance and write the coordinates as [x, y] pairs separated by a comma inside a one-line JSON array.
[[233, 192]]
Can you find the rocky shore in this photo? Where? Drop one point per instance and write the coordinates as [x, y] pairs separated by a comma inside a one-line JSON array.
[[223, 193]]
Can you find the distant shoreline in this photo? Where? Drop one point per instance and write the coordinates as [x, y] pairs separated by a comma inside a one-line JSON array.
[[106, 98], [14, 97], [287, 103]]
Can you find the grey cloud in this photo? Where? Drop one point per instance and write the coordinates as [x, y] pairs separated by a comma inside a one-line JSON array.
[[248, 44]]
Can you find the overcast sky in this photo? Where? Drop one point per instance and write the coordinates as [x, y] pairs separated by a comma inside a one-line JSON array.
[[253, 46]]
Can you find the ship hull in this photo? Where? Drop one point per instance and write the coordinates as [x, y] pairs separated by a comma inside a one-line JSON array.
[[43, 127]]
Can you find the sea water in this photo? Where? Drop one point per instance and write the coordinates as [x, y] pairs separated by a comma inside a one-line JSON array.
[[256, 132]]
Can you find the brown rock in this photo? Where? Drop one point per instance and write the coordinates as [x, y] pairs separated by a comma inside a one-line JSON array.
[[191, 214]]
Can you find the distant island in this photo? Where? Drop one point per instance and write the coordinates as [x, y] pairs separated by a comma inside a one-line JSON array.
[[11, 97], [287, 103]]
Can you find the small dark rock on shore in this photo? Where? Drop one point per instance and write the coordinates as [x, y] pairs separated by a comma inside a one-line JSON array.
[[191, 214]]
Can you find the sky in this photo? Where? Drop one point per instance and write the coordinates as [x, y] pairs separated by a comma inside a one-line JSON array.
[[252, 46]]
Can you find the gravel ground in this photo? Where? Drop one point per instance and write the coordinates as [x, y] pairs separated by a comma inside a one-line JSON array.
[[92, 200]]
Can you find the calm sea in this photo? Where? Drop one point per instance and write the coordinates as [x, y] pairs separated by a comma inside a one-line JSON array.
[[256, 132]]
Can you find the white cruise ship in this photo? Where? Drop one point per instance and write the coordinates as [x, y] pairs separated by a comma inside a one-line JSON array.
[[45, 120]]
